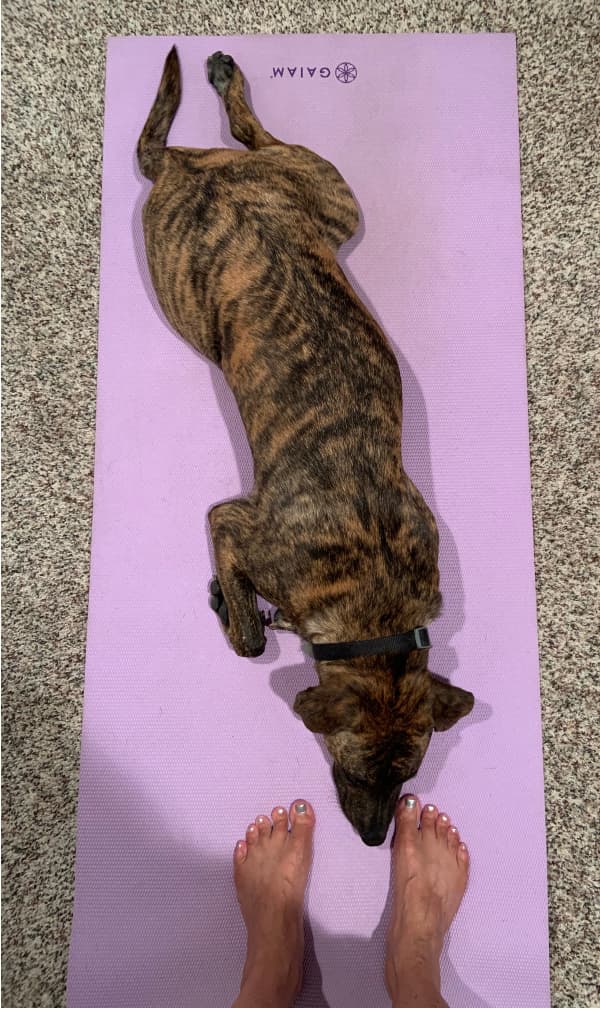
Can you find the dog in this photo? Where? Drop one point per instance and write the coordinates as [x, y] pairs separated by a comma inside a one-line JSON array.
[[241, 247]]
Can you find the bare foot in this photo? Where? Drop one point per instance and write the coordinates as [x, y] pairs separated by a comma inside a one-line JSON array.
[[430, 868], [271, 869]]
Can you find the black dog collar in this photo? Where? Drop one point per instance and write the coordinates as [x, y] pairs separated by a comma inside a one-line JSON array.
[[395, 644]]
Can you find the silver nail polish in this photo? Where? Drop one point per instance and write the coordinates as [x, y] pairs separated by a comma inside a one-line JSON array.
[[300, 807], [410, 803], [429, 808]]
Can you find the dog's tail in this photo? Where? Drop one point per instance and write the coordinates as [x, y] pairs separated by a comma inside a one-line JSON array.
[[151, 145]]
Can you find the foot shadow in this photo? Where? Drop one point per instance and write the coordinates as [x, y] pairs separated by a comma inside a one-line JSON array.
[[156, 920], [340, 951]]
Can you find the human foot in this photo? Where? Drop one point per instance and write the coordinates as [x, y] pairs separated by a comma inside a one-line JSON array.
[[270, 870], [429, 868]]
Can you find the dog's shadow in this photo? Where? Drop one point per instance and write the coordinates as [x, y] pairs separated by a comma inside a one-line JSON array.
[[356, 951], [287, 682]]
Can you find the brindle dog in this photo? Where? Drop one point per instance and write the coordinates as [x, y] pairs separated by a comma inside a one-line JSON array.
[[242, 252]]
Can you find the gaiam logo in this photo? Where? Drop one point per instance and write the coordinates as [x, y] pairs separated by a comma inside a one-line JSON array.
[[344, 72]]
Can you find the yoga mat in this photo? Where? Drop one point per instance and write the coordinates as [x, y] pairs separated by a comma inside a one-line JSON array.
[[184, 742]]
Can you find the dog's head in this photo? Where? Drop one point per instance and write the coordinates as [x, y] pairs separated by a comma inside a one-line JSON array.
[[377, 730]]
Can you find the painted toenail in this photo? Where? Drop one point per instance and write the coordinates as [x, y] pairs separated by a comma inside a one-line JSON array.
[[261, 819], [280, 811], [444, 818], [429, 809], [300, 807], [239, 845], [454, 830], [410, 803]]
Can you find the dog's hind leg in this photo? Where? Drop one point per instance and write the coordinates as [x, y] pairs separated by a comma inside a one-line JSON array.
[[232, 526], [228, 80]]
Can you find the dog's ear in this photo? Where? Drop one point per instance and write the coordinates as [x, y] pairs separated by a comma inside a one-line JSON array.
[[327, 710], [449, 704]]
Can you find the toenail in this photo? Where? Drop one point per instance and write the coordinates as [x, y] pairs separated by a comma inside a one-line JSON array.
[[454, 830], [261, 819], [239, 845], [251, 828], [429, 809], [300, 807], [280, 811], [410, 803], [444, 818]]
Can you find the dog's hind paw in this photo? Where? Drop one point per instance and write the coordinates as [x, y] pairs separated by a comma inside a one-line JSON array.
[[220, 71]]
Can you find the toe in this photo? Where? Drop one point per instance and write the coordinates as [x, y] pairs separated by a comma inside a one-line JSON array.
[[280, 821], [240, 852], [429, 815], [302, 815], [462, 856], [251, 834], [263, 825], [302, 818], [453, 838], [442, 825], [407, 817]]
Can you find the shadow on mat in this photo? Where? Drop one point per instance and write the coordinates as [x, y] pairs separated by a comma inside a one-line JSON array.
[[156, 920]]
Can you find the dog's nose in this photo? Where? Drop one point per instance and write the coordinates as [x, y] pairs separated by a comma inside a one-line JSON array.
[[374, 837]]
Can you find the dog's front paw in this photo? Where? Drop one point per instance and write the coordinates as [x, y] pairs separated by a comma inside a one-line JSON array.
[[249, 646], [247, 639], [216, 601], [220, 71]]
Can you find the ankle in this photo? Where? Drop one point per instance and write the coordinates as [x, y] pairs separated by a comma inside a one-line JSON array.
[[273, 969], [267, 983], [416, 994], [413, 975]]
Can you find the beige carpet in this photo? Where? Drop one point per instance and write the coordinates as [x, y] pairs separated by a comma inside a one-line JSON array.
[[54, 79]]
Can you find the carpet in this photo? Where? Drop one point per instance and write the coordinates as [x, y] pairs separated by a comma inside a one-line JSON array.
[[53, 106]]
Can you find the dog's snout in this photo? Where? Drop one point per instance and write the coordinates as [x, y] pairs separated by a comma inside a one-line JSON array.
[[374, 837]]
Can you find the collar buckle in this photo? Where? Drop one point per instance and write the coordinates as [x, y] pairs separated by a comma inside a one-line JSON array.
[[422, 639]]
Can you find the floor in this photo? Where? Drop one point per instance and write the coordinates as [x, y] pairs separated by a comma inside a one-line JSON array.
[[53, 108]]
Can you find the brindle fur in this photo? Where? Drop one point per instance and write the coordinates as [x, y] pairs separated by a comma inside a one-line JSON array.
[[242, 252]]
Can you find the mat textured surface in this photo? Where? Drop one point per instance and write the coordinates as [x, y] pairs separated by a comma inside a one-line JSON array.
[[179, 733], [54, 69]]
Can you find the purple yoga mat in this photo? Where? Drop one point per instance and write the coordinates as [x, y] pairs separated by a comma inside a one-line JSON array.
[[184, 742]]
